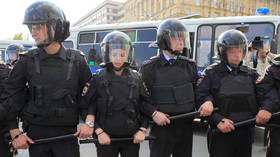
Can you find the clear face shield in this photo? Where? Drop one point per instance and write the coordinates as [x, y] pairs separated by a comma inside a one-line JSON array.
[[13, 54], [235, 54], [42, 33], [119, 54], [179, 40]]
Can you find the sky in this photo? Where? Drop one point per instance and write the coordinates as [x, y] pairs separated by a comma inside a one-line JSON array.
[[12, 13]]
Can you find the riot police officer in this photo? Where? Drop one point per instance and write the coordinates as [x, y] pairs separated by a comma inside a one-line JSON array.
[[270, 88], [231, 87], [4, 131], [171, 78], [119, 113], [54, 77], [13, 51]]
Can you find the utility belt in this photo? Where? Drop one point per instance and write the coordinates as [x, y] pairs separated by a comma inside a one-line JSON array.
[[174, 99]]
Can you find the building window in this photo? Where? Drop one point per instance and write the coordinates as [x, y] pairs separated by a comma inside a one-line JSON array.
[[260, 0], [171, 2], [216, 14], [272, 2], [209, 14], [240, 8], [224, 4], [187, 11], [185, 1], [231, 6], [171, 12], [198, 12], [215, 3], [209, 2], [198, 2]]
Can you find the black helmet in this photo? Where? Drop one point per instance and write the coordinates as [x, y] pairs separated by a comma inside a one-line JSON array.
[[43, 12], [117, 40], [231, 39], [14, 49], [172, 28]]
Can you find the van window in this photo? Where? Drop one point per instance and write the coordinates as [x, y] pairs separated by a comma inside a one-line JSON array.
[[86, 38], [100, 36], [203, 54], [146, 35]]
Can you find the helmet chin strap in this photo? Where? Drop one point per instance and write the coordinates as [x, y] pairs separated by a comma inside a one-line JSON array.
[[118, 69]]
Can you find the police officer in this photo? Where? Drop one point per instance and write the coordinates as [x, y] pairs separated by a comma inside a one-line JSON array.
[[270, 88], [13, 51], [231, 87], [171, 78], [4, 131], [55, 77], [117, 97]]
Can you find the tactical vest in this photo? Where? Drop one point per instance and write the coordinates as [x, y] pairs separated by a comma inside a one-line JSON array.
[[53, 88], [236, 97], [172, 88], [117, 103]]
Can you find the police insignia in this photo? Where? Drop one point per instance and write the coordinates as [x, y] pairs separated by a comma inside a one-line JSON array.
[[85, 89]]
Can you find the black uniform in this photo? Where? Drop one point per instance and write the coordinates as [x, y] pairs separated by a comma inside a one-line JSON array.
[[168, 84], [233, 91], [4, 131], [52, 106], [270, 88], [119, 104]]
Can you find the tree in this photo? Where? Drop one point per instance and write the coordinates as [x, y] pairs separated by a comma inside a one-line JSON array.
[[18, 36]]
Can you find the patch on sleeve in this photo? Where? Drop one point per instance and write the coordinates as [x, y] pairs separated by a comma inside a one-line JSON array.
[[85, 89]]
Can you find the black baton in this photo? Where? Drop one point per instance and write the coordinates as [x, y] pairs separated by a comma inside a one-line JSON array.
[[94, 140], [54, 139]]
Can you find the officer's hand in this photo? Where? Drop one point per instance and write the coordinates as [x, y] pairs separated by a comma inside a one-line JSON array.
[[226, 125], [104, 138], [160, 118], [22, 142], [84, 132], [139, 136], [206, 109], [263, 116]]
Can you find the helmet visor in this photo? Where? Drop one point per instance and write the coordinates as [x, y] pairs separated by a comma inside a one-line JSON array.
[[235, 54], [179, 40], [43, 34], [119, 54]]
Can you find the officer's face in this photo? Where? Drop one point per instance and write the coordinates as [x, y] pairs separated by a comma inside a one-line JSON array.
[[118, 57], [12, 56], [177, 44], [39, 32], [234, 55]]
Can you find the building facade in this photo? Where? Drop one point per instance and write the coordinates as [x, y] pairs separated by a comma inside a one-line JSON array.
[[106, 13], [145, 10]]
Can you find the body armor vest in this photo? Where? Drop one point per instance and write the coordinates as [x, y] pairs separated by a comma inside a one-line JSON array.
[[53, 88], [236, 98], [172, 88], [117, 103]]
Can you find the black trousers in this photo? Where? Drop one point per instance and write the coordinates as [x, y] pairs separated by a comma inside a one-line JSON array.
[[126, 149], [69, 147], [273, 149], [234, 144], [175, 139], [4, 146]]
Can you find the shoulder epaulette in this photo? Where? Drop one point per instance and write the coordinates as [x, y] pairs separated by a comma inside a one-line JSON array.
[[186, 59], [21, 53], [151, 60]]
